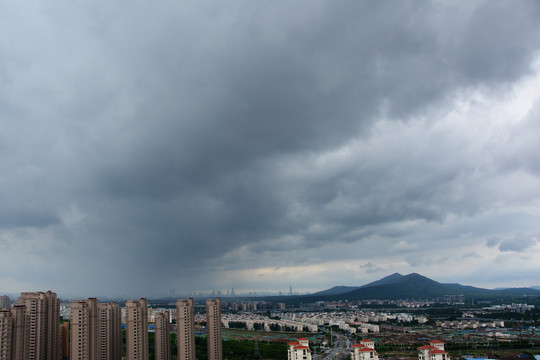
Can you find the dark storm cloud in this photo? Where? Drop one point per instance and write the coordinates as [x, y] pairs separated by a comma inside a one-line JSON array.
[[519, 245], [493, 241], [497, 50], [175, 133], [371, 268]]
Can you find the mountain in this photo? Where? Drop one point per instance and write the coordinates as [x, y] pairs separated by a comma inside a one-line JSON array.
[[401, 287], [415, 286], [390, 279], [336, 290]]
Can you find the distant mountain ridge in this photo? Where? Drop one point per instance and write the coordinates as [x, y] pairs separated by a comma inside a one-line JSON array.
[[413, 286], [390, 279], [336, 290]]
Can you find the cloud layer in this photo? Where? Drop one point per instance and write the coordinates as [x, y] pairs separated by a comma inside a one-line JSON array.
[[258, 145]]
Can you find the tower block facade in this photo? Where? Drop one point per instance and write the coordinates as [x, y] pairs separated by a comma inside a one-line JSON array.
[[137, 329], [185, 329], [213, 329], [162, 339], [43, 315]]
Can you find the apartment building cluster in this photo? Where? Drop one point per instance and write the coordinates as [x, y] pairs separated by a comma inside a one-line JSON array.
[[352, 305], [258, 322], [469, 324], [253, 305], [519, 308], [31, 330], [136, 322], [350, 321]]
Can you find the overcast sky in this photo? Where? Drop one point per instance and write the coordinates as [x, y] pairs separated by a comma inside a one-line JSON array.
[[149, 146]]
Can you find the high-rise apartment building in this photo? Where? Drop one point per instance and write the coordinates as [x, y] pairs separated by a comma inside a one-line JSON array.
[[19, 333], [5, 302], [162, 339], [95, 330], [64, 341], [80, 330], [137, 329], [109, 334], [43, 311], [5, 334], [185, 329], [213, 329], [13, 333]]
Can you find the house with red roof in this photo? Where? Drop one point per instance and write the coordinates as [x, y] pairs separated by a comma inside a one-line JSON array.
[[299, 350], [433, 351], [364, 351]]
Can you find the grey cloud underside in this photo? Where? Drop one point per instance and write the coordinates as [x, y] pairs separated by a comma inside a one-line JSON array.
[[519, 245], [177, 129]]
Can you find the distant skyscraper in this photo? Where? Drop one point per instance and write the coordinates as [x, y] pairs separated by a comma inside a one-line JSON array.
[[185, 329], [213, 329], [137, 329], [162, 339], [43, 311], [5, 302]]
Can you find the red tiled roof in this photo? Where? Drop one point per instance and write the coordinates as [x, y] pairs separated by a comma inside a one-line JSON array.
[[438, 352], [359, 345], [425, 347], [436, 342], [303, 339], [367, 340], [300, 347], [366, 349], [293, 343]]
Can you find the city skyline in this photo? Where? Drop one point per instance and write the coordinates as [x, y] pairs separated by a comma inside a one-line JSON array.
[[262, 145]]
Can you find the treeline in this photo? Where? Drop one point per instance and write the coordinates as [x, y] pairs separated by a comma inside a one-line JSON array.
[[458, 346], [244, 349], [517, 344], [232, 349], [531, 315]]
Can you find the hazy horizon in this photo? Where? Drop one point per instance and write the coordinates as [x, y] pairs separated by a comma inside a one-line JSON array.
[[150, 146]]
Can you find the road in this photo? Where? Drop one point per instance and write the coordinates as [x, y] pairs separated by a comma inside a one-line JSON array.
[[338, 352]]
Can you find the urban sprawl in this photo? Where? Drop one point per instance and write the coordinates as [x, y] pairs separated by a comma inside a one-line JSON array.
[[39, 326]]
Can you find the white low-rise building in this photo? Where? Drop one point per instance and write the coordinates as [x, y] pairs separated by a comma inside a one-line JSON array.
[[364, 351], [433, 351], [299, 350]]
